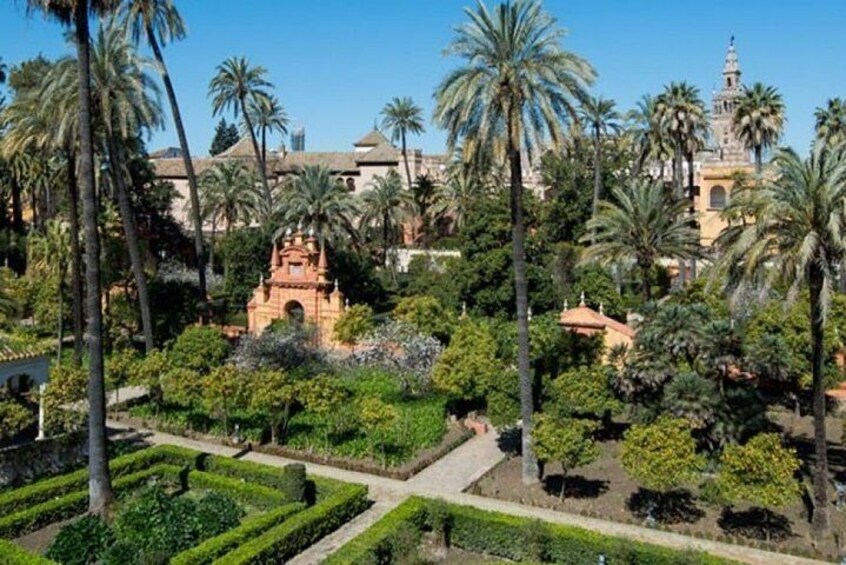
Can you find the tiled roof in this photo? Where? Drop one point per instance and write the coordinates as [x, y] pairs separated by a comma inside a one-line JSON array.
[[242, 148], [385, 153], [175, 168], [372, 139], [587, 318], [338, 162]]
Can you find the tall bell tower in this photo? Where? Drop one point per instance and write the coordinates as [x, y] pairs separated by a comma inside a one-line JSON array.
[[728, 149]]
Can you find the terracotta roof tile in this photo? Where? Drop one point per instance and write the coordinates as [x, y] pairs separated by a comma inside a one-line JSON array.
[[372, 139], [385, 153], [585, 317]]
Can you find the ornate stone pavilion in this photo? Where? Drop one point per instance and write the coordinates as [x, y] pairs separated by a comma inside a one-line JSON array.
[[297, 290], [584, 320]]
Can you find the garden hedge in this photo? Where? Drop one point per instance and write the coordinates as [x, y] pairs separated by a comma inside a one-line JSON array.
[[12, 554], [220, 545], [261, 497], [506, 536], [301, 530], [69, 505]]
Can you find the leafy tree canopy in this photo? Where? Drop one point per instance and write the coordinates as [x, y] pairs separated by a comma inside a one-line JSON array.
[[661, 456], [762, 472]]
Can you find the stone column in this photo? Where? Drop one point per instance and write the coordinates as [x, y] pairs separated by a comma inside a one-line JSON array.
[[41, 390]]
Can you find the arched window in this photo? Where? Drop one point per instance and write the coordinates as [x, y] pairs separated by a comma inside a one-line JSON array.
[[350, 184], [717, 198]]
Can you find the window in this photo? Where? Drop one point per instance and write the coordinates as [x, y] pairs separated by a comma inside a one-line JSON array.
[[717, 198], [351, 184], [295, 269]]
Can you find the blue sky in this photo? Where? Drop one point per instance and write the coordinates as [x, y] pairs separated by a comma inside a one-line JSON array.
[[335, 63]]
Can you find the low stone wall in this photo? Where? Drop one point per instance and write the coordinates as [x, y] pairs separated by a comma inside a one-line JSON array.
[[22, 464]]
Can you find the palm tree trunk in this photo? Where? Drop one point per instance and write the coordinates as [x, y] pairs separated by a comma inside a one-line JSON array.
[[678, 190], [100, 494], [405, 160], [690, 187], [17, 209], [646, 286], [126, 214], [759, 160], [76, 261], [264, 149], [226, 259], [211, 247], [189, 172], [268, 200], [597, 179], [820, 523], [521, 287]]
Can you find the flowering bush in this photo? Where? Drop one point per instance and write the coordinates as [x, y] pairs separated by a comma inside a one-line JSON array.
[[284, 348], [403, 351]]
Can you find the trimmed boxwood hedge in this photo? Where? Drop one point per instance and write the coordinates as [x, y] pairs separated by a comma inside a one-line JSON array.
[[301, 530], [12, 554], [213, 548], [39, 515], [261, 497], [505, 536]]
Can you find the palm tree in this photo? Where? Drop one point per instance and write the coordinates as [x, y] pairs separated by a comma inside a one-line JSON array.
[[386, 205], [235, 86], [516, 86], [759, 119], [159, 22], [598, 115], [75, 13], [649, 134], [682, 114], [641, 225], [460, 190], [127, 100], [402, 116], [268, 116], [46, 256], [229, 196], [315, 199], [796, 240], [425, 195], [831, 121], [43, 120]]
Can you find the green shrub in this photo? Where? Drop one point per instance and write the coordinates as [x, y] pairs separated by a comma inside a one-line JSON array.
[[49, 489], [81, 542], [219, 545], [199, 348], [217, 513], [245, 492], [13, 554], [288, 480], [295, 487], [36, 517], [301, 530], [158, 525], [119, 553], [375, 543], [509, 537]]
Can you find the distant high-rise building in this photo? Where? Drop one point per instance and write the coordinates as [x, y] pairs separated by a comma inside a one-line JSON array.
[[298, 139]]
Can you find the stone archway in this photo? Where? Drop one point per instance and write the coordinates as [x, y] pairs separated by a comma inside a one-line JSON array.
[[294, 312]]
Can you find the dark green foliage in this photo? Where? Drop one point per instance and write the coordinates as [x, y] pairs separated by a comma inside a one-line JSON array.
[[175, 307], [199, 348], [220, 545], [301, 530], [81, 542], [503, 399], [120, 553], [569, 178], [247, 251], [295, 487], [225, 136], [357, 277], [583, 392], [217, 513], [432, 276], [507, 537], [486, 274]]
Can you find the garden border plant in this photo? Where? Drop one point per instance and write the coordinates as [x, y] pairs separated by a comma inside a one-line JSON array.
[[283, 493], [453, 438], [506, 536]]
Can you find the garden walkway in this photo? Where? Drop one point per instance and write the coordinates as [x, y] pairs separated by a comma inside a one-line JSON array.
[[447, 479]]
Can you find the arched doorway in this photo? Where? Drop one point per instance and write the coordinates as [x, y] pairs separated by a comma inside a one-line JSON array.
[[294, 312]]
